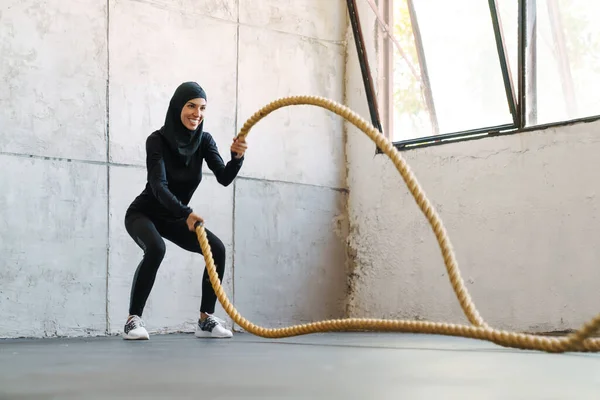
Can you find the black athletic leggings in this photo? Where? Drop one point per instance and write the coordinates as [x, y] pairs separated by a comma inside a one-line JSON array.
[[149, 236]]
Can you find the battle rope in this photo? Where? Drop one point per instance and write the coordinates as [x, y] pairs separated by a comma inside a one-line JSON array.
[[577, 341]]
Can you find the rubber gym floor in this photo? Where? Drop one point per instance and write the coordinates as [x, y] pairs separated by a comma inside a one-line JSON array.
[[317, 366]]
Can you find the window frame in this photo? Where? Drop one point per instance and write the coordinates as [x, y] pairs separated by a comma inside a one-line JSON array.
[[521, 106]]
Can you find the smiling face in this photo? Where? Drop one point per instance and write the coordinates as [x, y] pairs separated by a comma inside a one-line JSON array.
[[192, 113]]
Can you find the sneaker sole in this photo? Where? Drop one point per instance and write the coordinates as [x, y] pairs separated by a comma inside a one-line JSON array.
[[208, 335], [127, 337]]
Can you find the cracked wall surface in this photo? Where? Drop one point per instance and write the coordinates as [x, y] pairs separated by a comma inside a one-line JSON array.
[[522, 213], [84, 83]]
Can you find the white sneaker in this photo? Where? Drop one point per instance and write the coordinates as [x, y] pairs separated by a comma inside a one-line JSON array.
[[134, 329], [212, 327]]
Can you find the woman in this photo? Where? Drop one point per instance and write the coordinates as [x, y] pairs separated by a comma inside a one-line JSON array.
[[174, 157]]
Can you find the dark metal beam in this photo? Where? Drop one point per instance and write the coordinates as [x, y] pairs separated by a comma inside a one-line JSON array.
[[453, 135], [504, 64], [364, 64], [527, 63]]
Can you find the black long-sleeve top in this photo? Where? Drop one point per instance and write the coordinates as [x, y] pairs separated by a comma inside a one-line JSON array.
[[171, 183]]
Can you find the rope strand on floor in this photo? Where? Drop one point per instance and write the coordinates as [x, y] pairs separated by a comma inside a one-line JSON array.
[[577, 341]]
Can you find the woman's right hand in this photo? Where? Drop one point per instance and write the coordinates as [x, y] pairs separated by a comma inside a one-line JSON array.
[[191, 221]]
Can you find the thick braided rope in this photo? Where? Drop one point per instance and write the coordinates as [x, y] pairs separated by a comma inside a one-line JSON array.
[[578, 341]]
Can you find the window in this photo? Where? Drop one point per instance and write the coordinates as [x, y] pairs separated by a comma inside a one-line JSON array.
[[460, 68]]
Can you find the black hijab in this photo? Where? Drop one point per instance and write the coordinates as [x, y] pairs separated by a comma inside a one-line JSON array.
[[181, 140]]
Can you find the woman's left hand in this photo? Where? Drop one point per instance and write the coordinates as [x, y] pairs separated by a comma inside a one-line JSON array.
[[239, 146]]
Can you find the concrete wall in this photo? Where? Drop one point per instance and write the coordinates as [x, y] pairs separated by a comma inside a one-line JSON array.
[[83, 84], [522, 213]]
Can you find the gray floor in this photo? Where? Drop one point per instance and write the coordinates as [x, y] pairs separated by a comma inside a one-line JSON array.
[[321, 366]]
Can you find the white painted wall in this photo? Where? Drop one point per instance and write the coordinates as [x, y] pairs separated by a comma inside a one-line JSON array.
[[522, 212], [82, 85]]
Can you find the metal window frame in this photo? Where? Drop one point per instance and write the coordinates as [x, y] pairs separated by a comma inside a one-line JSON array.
[[521, 102], [527, 63], [508, 88], [364, 64]]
